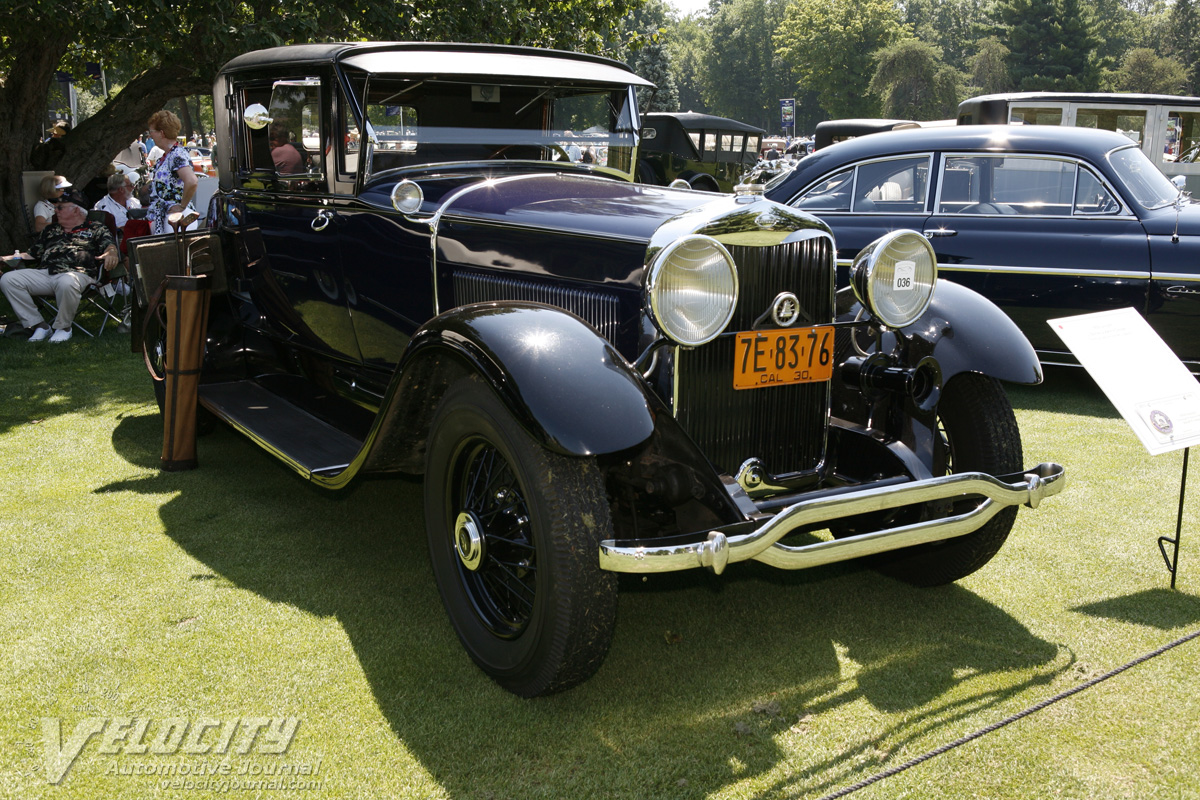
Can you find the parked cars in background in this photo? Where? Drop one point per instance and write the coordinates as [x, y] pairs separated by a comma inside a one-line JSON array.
[[1165, 127], [709, 153], [1044, 221], [593, 375], [202, 162]]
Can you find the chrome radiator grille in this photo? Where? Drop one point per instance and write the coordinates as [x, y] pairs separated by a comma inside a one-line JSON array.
[[783, 426], [601, 310]]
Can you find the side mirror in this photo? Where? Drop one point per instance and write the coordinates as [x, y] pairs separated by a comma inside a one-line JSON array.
[[1180, 182], [256, 116]]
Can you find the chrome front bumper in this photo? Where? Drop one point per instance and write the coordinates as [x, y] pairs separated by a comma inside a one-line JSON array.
[[717, 549]]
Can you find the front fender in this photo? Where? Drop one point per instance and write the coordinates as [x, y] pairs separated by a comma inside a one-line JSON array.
[[969, 333], [563, 382]]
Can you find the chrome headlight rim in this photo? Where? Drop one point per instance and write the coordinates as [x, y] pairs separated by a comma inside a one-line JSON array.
[[654, 291], [876, 264], [407, 197]]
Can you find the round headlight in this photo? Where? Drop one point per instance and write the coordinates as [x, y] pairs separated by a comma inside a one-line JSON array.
[[693, 289], [407, 197], [894, 277]]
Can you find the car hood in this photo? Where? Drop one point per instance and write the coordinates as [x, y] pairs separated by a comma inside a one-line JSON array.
[[1162, 221], [572, 203]]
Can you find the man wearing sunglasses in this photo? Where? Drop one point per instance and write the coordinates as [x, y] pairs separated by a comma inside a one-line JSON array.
[[70, 252]]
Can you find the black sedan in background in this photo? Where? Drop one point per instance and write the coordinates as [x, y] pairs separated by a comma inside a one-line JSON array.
[[1044, 221]]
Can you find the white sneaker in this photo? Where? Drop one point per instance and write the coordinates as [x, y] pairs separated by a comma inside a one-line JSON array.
[[40, 334], [60, 336]]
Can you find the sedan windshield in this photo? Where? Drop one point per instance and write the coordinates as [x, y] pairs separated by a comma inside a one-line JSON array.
[[1147, 186], [415, 123]]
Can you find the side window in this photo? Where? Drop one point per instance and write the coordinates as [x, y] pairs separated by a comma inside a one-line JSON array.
[[1183, 137], [1034, 115], [294, 133], [895, 186], [1131, 123], [350, 138], [829, 194], [1007, 185], [960, 184], [1091, 196]]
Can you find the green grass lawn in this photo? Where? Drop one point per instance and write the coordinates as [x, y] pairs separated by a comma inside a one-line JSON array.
[[236, 592]]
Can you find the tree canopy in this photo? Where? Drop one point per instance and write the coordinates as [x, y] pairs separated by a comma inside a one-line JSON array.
[[829, 43], [171, 48]]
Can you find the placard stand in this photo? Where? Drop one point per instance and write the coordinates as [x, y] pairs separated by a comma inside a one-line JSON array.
[[1163, 541], [1155, 393]]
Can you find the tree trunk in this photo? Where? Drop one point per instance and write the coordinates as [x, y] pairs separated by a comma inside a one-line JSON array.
[[185, 117], [22, 125], [89, 147]]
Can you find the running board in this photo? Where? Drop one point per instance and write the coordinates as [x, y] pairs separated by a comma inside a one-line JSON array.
[[305, 443]]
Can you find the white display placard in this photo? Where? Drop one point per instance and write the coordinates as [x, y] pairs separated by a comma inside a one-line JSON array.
[[1142, 377]]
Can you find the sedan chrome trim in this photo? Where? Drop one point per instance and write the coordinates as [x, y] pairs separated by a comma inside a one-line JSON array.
[[1065, 273], [717, 549]]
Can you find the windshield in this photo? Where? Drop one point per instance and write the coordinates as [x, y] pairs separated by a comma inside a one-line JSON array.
[[415, 123], [1146, 184]]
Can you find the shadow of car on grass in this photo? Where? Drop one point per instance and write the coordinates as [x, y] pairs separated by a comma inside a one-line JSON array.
[[705, 672]]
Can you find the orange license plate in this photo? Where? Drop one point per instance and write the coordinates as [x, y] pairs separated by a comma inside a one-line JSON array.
[[782, 357]]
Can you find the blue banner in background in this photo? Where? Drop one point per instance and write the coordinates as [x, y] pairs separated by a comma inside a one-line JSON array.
[[787, 112]]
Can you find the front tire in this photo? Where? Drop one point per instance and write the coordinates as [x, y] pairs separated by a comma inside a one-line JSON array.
[[979, 433], [514, 533]]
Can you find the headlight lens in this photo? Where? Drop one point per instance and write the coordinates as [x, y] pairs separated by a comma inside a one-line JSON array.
[[407, 197], [693, 289], [894, 277]]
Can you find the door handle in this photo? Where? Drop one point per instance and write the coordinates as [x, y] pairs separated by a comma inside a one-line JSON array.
[[321, 221], [937, 233]]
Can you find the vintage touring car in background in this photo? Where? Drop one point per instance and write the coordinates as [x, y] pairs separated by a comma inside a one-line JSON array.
[[593, 376]]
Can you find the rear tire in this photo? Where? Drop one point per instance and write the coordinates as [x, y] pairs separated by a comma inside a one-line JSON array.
[[980, 434], [514, 536]]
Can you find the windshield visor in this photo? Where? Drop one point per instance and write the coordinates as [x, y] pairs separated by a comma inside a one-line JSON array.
[[416, 123]]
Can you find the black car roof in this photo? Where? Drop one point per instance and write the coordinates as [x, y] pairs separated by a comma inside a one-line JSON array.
[[692, 120], [1085, 142], [435, 57]]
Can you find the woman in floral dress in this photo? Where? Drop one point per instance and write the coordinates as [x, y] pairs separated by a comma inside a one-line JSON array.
[[172, 181]]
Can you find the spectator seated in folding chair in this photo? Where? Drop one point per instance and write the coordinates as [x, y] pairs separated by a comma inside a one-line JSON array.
[[72, 252]]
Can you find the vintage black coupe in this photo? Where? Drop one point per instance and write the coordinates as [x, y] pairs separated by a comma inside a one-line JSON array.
[[1044, 221], [594, 376]]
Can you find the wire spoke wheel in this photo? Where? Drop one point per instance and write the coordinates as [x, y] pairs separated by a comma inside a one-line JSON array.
[[514, 534], [497, 557]]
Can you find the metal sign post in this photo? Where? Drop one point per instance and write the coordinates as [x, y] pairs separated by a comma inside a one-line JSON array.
[[1163, 541]]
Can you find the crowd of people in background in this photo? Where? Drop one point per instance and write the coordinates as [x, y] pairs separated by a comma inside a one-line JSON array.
[[72, 250]]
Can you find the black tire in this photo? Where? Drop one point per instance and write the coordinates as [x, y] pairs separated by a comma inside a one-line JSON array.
[[704, 183], [979, 431], [514, 533], [647, 175]]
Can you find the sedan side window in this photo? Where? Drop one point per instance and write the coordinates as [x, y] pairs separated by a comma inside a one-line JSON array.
[[1092, 196], [1007, 185], [829, 194], [896, 186]]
